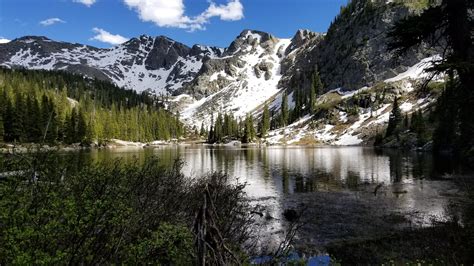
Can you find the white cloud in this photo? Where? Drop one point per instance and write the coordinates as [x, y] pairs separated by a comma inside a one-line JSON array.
[[232, 11], [88, 3], [171, 13], [3, 40], [51, 21], [107, 37]]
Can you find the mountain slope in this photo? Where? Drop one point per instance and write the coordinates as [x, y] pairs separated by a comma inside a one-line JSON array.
[[157, 64], [255, 69]]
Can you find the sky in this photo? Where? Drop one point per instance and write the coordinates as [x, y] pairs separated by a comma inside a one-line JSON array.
[[104, 23]]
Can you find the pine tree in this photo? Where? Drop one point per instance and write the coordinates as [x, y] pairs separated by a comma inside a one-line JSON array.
[[406, 122], [178, 125], [284, 110], [421, 129], [316, 88], [202, 132], [38, 110], [249, 130], [265, 124], [32, 120], [218, 129], [394, 120], [81, 128], [452, 21], [71, 127], [298, 110], [9, 134], [19, 117], [210, 136]]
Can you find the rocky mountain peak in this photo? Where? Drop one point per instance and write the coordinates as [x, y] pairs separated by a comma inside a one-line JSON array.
[[31, 38], [249, 39], [301, 37], [199, 50]]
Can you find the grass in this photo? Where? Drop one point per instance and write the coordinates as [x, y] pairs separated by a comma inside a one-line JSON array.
[[308, 140]]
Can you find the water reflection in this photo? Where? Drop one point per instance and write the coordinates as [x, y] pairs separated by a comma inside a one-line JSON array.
[[409, 182], [285, 170]]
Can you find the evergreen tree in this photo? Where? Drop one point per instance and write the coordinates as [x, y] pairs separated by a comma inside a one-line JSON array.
[[444, 136], [421, 129], [218, 129], [394, 120], [9, 134], [298, 111], [406, 122], [38, 110], [265, 124], [249, 131], [52, 124], [210, 136], [32, 120], [19, 117], [452, 21], [81, 128], [178, 125], [316, 88], [71, 127], [202, 132], [284, 110]]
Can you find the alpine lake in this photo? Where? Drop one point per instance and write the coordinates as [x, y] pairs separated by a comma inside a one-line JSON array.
[[340, 193]]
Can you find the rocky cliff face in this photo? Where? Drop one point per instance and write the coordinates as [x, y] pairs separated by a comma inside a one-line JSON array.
[[354, 52]]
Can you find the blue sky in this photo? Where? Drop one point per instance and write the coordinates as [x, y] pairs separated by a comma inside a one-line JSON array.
[[215, 22]]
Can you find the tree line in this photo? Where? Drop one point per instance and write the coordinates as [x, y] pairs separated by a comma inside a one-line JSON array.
[[226, 127], [57, 107]]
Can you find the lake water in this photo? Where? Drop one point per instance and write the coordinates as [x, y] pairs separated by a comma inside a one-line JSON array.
[[342, 192]]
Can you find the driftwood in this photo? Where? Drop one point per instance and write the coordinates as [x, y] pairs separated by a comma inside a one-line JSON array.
[[209, 242]]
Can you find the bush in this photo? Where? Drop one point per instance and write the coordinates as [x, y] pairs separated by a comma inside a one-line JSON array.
[[111, 212]]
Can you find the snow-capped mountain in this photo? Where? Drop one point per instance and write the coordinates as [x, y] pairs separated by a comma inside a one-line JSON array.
[[157, 64], [256, 68], [245, 77], [237, 79]]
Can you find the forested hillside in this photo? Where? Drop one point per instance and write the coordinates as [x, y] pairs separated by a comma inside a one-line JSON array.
[[57, 107]]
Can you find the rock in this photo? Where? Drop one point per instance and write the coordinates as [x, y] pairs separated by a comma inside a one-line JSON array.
[[291, 215]]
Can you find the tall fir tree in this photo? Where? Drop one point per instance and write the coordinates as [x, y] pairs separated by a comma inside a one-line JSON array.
[[9, 134], [265, 124], [218, 129], [249, 130], [71, 127], [394, 120], [81, 128], [284, 110], [202, 131], [316, 88]]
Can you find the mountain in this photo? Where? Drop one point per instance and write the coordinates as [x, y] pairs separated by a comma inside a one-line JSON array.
[[156, 64], [256, 68]]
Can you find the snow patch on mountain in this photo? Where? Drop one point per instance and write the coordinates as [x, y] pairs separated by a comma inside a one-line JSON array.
[[346, 132], [418, 71], [159, 65], [245, 91]]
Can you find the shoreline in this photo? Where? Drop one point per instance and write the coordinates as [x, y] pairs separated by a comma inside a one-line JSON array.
[[119, 144]]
